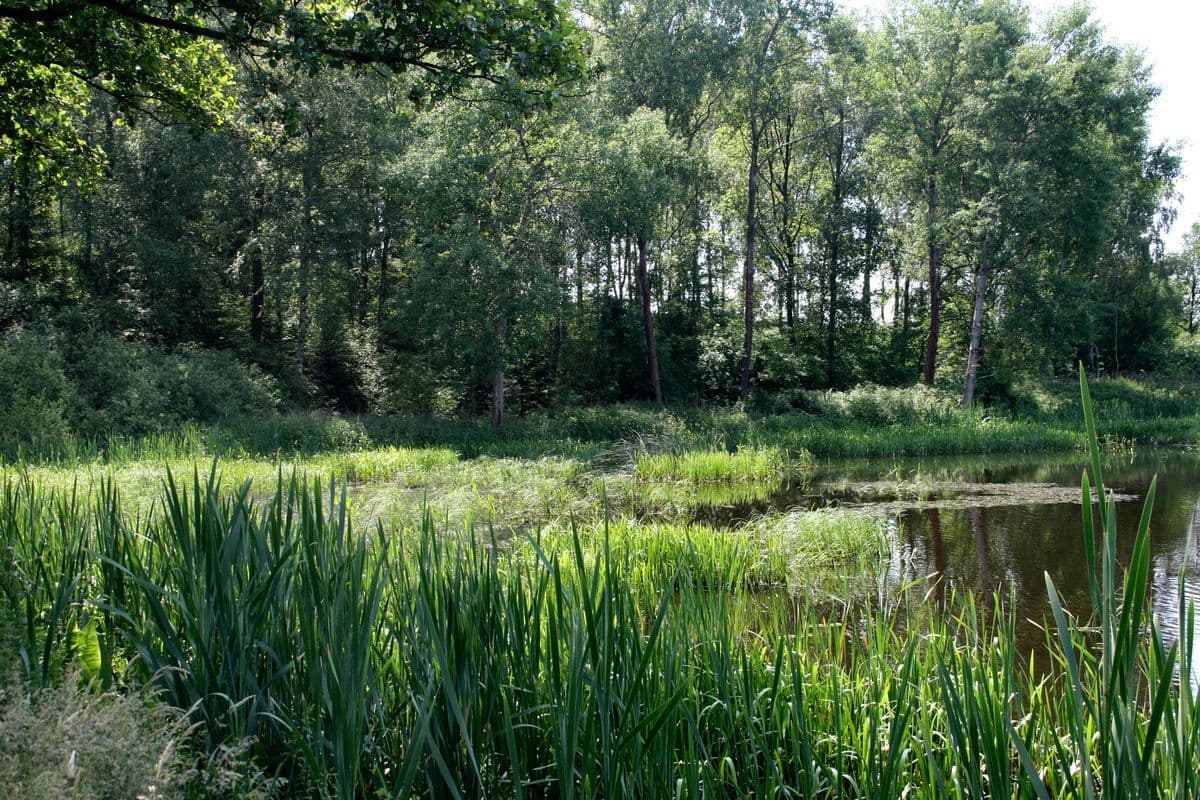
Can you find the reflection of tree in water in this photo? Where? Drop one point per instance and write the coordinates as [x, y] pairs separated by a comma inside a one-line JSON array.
[[939, 552], [1176, 614], [982, 548], [979, 534]]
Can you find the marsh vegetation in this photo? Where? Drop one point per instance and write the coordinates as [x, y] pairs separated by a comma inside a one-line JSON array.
[[318, 643]]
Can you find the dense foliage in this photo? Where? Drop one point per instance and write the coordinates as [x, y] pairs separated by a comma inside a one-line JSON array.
[[400, 208]]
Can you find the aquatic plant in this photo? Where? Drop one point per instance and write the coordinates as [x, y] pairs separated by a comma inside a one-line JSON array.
[[600, 660]]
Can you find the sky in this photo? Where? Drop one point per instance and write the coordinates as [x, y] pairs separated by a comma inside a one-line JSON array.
[[1168, 33]]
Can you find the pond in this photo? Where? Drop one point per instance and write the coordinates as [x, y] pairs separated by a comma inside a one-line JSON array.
[[997, 524]]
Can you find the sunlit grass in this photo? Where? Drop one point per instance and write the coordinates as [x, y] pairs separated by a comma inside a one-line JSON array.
[[714, 466]]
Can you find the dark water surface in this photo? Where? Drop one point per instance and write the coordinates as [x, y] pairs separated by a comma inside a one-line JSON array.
[[954, 526]]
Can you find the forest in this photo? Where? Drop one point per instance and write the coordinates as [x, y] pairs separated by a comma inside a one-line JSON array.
[[561, 399], [673, 201]]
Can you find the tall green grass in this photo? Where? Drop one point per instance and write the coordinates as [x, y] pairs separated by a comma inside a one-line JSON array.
[[746, 465], [419, 663], [864, 421]]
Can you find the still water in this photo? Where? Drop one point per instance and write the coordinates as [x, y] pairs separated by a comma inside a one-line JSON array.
[[998, 524]]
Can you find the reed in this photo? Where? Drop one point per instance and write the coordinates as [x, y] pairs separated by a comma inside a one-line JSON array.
[[613, 660]]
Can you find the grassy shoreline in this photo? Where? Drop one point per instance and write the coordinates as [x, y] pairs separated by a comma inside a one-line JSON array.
[[614, 660], [433, 621], [619, 429]]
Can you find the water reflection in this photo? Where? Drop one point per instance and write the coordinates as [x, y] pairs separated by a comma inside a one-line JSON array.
[[1007, 548]]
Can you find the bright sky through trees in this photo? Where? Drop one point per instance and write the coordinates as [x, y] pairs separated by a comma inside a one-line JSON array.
[[1165, 30]]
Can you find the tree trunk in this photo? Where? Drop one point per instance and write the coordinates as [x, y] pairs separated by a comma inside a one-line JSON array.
[[385, 255], [306, 254], [256, 295], [1191, 328], [935, 285], [643, 280], [896, 295], [751, 231], [498, 398], [981, 279], [255, 256], [789, 294], [835, 248], [868, 266], [498, 378], [363, 301]]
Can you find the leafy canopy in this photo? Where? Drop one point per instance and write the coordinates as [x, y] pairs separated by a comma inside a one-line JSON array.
[[175, 59]]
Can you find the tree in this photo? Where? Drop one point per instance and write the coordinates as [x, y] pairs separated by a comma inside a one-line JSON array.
[[1186, 272], [173, 59], [767, 39], [639, 169], [933, 58]]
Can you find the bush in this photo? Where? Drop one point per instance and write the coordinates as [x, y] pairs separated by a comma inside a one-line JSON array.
[[72, 743], [130, 388], [36, 397], [64, 743], [883, 405]]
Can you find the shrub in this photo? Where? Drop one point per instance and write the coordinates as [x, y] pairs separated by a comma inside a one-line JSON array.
[[73, 743], [885, 405], [36, 397], [130, 388], [66, 743]]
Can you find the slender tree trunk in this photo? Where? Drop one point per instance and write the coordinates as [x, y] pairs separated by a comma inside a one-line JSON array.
[[643, 280], [385, 255], [835, 253], [256, 296], [10, 241], [751, 232], [498, 398], [306, 254], [579, 277], [1191, 328], [608, 268], [896, 295], [789, 292], [1116, 352], [255, 256], [831, 322], [363, 301], [981, 281], [868, 266], [935, 284], [498, 377]]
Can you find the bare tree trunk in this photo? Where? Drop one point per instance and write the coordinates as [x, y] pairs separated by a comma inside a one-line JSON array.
[[835, 252], [1191, 328], [256, 294], [751, 231], [981, 280], [643, 280], [498, 378], [498, 398], [789, 294], [385, 255], [306, 254], [935, 285]]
